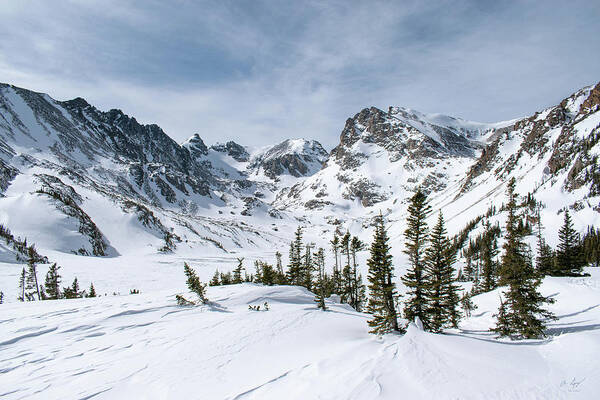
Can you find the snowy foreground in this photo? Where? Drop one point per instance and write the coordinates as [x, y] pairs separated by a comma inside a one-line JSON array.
[[144, 347]]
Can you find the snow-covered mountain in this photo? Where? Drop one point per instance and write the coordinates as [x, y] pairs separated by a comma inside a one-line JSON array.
[[91, 175]]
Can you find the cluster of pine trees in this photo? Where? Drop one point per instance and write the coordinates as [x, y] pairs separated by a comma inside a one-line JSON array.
[[306, 268], [30, 289], [432, 292]]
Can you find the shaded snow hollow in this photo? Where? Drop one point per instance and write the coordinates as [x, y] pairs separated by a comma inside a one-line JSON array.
[[144, 347]]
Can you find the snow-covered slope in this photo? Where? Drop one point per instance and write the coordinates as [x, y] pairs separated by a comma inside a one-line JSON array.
[[143, 346]]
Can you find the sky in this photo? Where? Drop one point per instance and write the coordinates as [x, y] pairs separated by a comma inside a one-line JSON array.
[[258, 72]]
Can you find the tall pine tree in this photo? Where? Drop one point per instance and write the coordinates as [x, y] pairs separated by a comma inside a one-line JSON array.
[[568, 254], [382, 291], [442, 292], [415, 278], [521, 314]]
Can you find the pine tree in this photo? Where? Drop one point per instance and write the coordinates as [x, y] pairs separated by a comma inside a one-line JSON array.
[[335, 248], [504, 324], [1, 297], [591, 246], [225, 278], [441, 292], [467, 304], [307, 267], [194, 284], [22, 279], [52, 282], [382, 291], [568, 255], [522, 314], [295, 270], [237, 272], [415, 278], [92, 292], [72, 292], [320, 282], [488, 254], [215, 281], [265, 273], [358, 288], [545, 256], [32, 289]]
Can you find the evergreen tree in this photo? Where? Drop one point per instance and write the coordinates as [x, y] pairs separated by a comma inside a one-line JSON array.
[[72, 292], [307, 267], [320, 284], [568, 255], [382, 304], [265, 273], [467, 304], [237, 272], [415, 278], [295, 268], [32, 289], [504, 323], [226, 278], [335, 248], [488, 254], [1, 297], [591, 246], [441, 292], [53, 282], [92, 292], [22, 279], [215, 281], [522, 314], [545, 255], [194, 284], [358, 288]]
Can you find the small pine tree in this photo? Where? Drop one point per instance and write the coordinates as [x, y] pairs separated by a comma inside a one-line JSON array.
[[320, 285], [72, 292], [295, 269], [415, 278], [1, 297], [215, 281], [194, 284], [52, 282], [488, 254], [336, 276], [504, 324], [382, 304], [358, 287], [226, 278], [545, 255], [467, 304], [568, 255], [22, 284], [92, 291], [32, 288], [237, 272]]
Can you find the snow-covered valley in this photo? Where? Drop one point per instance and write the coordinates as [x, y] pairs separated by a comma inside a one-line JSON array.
[[143, 346]]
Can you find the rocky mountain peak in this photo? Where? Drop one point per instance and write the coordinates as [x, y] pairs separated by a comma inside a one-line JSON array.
[[232, 149]]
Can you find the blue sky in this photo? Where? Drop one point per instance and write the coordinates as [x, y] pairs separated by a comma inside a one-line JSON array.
[[261, 71]]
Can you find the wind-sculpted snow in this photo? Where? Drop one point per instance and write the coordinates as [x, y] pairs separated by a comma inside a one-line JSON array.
[[143, 346]]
